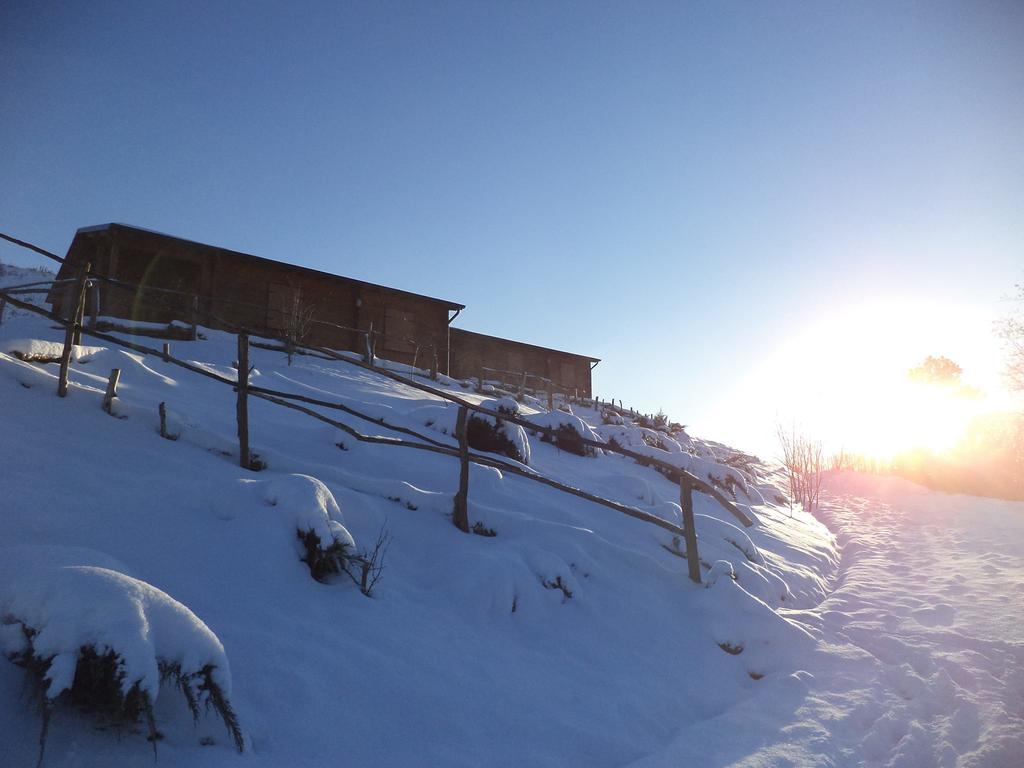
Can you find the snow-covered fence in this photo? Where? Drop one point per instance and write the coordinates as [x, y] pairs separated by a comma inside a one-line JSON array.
[[687, 481]]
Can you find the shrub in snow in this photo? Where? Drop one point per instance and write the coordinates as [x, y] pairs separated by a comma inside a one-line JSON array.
[[104, 642], [323, 556], [324, 544], [720, 569], [557, 583], [495, 435], [570, 431]]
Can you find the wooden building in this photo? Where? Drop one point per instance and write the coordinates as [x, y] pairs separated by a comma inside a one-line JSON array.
[[475, 354], [167, 278], [156, 278]]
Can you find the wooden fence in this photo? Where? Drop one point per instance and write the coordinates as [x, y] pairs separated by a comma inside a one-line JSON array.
[[688, 483]]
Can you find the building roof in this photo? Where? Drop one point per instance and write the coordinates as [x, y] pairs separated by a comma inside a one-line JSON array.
[[307, 270], [483, 336]]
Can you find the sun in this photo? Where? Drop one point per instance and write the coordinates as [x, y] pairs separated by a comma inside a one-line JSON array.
[[843, 378], [902, 415]]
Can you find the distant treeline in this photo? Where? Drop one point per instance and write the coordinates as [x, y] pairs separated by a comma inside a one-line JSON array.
[[988, 460]]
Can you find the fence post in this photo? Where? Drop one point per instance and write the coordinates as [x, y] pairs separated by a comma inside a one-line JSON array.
[[460, 513], [167, 351], [689, 531], [433, 367], [80, 312], [163, 421], [94, 315], [242, 406], [368, 357], [69, 333], [111, 393], [194, 317], [551, 398]]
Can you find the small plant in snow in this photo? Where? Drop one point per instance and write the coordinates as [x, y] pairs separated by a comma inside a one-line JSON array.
[[560, 585], [324, 558], [566, 438], [482, 530], [494, 435], [611, 417], [804, 463], [103, 642]]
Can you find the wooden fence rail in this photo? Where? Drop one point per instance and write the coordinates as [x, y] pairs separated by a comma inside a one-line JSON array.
[[696, 482], [687, 482]]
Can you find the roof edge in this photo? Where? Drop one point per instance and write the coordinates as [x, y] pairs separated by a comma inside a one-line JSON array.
[[130, 227], [527, 344]]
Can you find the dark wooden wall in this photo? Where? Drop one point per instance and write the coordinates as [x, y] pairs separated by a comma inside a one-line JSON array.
[[232, 289], [471, 351]]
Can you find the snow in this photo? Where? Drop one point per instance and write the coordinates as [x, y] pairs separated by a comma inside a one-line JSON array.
[[35, 349], [918, 657], [307, 505], [73, 606], [514, 433], [885, 633], [658, 445]]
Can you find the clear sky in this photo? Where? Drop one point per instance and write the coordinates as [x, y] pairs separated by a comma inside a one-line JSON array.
[[727, 202]]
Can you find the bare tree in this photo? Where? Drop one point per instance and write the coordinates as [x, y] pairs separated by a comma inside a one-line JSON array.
[[1011, 330], [840, 461], [367, 568], [803, 460], [298, 321]]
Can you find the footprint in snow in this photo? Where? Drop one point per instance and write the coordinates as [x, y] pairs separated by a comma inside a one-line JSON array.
[[935, 615]]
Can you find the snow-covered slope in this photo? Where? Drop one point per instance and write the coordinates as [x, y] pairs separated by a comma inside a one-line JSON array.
[[572, 637]]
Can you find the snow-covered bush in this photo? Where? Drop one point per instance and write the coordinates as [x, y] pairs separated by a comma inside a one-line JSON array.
[[324, 544], [570, 431], [104, 642], [495, 435]]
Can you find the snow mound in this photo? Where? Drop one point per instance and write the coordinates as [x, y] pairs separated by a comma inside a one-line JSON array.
[[560, 420], [309, 505], [69, 608], [43, 351], [740, 623], [440, 418], [513, 433], [676, 452]]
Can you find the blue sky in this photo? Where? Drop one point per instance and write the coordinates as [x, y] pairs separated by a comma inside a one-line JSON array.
[[680, 189]]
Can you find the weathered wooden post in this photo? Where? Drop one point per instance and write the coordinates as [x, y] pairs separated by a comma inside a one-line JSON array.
[[194, 317], [689, 531], [551, 397], [111, 393], [368, 357], [80, 312], [163, 421], [460, 513], [433, 366], [69, 333], [167, 351], [94, 314], [242, 405]]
